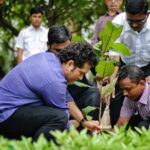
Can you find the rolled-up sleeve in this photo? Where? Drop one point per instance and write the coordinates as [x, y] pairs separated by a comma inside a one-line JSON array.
[[19, 41]]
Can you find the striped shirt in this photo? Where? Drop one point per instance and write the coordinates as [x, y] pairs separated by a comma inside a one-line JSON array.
[[138, 43], [142, 106]]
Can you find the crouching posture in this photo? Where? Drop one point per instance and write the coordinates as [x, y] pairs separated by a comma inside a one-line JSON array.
[[34, 98], [136, 106]]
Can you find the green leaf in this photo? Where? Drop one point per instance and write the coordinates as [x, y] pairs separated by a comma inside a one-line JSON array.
[[105, 68], [109, 34], [77, 38], [88, 109], [98, 45], [80, 84], [90, 76], [108, 89], [120, 48], [88, 117]]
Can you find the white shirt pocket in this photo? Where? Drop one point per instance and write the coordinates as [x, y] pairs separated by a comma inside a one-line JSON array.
[[29, 44], [43, 44]]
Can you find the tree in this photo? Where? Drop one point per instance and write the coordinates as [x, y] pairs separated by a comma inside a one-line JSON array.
[[14, 17]]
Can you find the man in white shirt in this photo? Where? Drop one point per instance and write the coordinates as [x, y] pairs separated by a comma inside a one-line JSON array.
[[136, 35], [33, 39]]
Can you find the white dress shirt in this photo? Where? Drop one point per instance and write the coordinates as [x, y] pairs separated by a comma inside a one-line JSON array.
[[32, 41], [138, 43]]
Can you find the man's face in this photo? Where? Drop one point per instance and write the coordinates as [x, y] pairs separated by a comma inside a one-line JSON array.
[[113, 5], [73, 73], [57, 47], [132, 90], [137, 21], [36, 19]]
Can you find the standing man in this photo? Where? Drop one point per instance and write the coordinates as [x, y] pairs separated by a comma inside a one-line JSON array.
[[135, 35], [34, 98], [113, 7], [33, 39]]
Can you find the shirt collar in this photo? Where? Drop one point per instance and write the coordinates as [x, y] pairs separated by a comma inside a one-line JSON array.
[[145, 96], [117, 13], [32, 28]]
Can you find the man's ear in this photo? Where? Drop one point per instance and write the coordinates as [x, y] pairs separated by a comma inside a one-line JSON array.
[[70, 64], [142, 82]]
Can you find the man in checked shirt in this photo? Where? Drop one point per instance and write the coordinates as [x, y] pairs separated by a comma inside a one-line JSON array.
[[137, 97]]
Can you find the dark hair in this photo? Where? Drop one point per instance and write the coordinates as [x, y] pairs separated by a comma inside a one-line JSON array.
[[132, 72], [36, 10], [58, 34], [136, 6], [80, 52]]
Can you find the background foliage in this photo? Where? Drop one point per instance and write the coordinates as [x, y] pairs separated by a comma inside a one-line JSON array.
[[77, 14]]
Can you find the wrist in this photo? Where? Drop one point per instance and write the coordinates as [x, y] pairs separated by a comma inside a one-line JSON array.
[[82, 121]]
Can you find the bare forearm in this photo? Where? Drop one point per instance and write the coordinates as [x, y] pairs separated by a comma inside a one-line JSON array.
[[77, 114], [122, 121], [19, 56], [74, 111]]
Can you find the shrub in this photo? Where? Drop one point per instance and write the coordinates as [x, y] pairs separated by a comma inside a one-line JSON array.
[[74, 140]]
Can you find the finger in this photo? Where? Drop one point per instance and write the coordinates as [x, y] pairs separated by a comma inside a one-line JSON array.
[[96, 122], [113, 94], [97, 127], [95, 131]]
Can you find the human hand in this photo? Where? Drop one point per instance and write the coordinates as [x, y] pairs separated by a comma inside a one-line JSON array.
[[92, 126]]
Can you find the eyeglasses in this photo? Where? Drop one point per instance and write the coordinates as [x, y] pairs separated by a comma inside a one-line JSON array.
[[139, 22]]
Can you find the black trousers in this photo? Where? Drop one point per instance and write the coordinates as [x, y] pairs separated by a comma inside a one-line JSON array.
[[31, 121], [84, 97], [116, 103]]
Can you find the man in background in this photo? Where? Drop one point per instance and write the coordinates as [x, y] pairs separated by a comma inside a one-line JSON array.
[[113, 7], [33, 39]]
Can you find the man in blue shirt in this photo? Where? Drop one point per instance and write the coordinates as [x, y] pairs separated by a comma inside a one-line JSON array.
[[34, 98]]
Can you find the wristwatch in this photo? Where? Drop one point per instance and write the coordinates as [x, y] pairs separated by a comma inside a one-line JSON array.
[[82, 120]]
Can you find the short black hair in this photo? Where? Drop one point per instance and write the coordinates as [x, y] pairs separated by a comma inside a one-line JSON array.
[[136, 6], [80, 52], [58, 34], [36, 10], [132, 72]]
